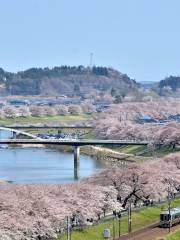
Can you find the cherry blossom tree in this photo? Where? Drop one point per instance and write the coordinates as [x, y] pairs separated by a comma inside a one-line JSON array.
[[74, 109], [37, 111], [49, 111], [10, 112], [62, 110], [2, 114], [119, 122], [40, 211], [24, 112], [142, 182], [88, 107], [167, 135]]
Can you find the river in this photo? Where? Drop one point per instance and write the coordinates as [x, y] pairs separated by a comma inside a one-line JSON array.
[[42, 165]]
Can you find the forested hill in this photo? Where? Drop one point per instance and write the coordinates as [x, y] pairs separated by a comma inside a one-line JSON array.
[[65, 80], [172, 82]]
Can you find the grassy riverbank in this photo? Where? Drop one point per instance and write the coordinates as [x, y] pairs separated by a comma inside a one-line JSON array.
[[142, 153], [140, 219], [131, 149], [110, 156], [47, 119], [173, 236]]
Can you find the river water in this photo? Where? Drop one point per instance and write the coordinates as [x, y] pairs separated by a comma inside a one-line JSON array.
[[42, 165]]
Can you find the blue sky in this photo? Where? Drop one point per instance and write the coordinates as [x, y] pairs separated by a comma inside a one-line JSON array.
[[137, 37]]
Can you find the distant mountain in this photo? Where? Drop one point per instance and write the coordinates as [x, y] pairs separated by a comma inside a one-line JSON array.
[[148, 84], [74, 80]]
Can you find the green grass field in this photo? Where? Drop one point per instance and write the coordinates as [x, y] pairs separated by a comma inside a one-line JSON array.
[[140, 219], [46, 119], [166, 150], [174, 236], [139, 149], [132, 149], [135, 150]]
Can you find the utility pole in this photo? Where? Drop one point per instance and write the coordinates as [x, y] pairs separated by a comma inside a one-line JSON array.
[[169, 208], [129, 218], [76, 162], [114, 235], [119, 218], [68, 228]]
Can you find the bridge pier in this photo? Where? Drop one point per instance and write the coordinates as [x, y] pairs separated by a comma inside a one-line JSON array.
[[76, 162], [14, 135]]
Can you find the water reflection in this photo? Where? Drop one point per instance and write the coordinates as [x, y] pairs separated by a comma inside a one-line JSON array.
[[41, 165]]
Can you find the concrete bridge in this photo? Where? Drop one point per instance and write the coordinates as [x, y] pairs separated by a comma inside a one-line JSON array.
[[72, 142], [23, 128], [75, 143], [48, 126], [15, 132]]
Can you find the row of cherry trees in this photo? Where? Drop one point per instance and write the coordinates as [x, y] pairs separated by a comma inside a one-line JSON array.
[[119, 122], [157, 135], [38, 111], [141, 182], [132, 110], [40, 211]]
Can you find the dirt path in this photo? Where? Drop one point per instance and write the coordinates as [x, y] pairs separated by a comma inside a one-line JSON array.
[[112, 151], [150, 233]]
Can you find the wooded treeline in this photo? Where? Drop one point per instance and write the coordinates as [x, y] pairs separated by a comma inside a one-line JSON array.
[[68, 80]]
